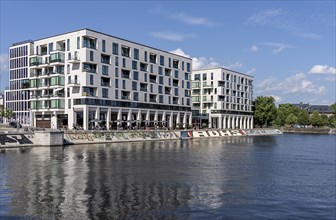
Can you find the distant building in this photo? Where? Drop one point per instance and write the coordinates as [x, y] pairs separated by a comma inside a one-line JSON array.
[[322, 109], [222, 98], [17, 95]]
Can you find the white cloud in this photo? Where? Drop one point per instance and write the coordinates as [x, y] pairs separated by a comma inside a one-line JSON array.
[[277, 98], [311, 36], [251, 71], [234, 65], [296, 84], [171, 36], [322, 69], [254, 48], [278, 47], [204, 62], [264, 17], [188, 19]]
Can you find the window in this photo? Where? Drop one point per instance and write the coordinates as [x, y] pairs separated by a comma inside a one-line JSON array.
[[91, 79], [143, 67], [182, 83], [91, 55], [136, 75], [160, 89], [103, 46], [68, 44], [91, 68], [204, 76], [160, 70], [145, 97], [115, 48], [175, 64], [169, 62], [211, 76], [151, 88], [176, 74], [78, 42], [125, 74], [176, 91], [89, 42], [182, 65], [160, 98], [104, 93], [188, 67], [105, 59], [116, 73], [135, 96], [152, 58], [145, 56], [116, 94], [197, 77], [151, 68], [105, 70], [188, 85], [124, 84], [51, 47], [116, 83], [125, 51], [134, 85], [124, 62], [136, 54], [161, 80], [161, 60], [116, 61], [145, 77], [134, 65]]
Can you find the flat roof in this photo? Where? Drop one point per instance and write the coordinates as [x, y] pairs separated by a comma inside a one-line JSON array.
[[113, 37], [223, 69]]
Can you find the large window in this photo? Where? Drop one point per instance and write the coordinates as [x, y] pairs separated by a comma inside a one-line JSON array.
[[134, 65], [103, 46], [135, 85], [136, 54], [91, 80], [136, 75], [104, 92], [105, 70], [135, 96], [161, 60], [105, 59], [115, 48], [89, 42], [152, 58], [91, 55], [175, 64], [125, 51]]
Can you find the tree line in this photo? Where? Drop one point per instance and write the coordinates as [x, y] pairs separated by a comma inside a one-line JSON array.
[[267, 114]]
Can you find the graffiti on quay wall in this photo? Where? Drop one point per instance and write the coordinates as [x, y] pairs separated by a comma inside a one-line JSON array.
[[16, 139], [118, 136], [217, 133]]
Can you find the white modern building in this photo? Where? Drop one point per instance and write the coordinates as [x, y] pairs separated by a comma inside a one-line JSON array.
[[222, 98], [85, 78], [17, 97]]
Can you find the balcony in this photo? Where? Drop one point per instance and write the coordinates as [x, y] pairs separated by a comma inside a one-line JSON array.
[[73, 59], [144, 89], [73, 83], [207, 86], [152, 100], [56, 57], [125, 97]]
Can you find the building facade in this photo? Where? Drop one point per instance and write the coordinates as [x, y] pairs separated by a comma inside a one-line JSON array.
[[17, 97], [222, 98], [86, 78]]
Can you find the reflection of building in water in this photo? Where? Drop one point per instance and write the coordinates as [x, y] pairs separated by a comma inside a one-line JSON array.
[[99, 182]]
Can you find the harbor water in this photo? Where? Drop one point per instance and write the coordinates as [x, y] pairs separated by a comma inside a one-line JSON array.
[[287, 176]]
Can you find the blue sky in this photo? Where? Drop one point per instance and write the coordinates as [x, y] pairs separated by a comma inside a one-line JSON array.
[[288, 46]]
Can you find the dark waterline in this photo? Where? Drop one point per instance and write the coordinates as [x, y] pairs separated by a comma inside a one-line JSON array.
[[269, 177]]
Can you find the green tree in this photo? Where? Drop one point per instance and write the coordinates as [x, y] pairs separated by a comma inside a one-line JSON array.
[[333, 107], [291, 119], [315, 119], [332, 121], [265, 110], [324, 120], [303, 117], [283, 112], [8, 113]]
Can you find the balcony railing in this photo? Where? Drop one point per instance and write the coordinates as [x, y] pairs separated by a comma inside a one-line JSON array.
[[152, 100], [90, 70], [143, 89], [125, 97]]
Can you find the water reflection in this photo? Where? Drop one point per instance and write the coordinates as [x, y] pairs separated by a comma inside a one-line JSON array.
[[148, 180]]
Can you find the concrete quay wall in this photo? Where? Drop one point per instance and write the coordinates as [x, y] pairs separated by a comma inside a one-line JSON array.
[[56, 138]]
